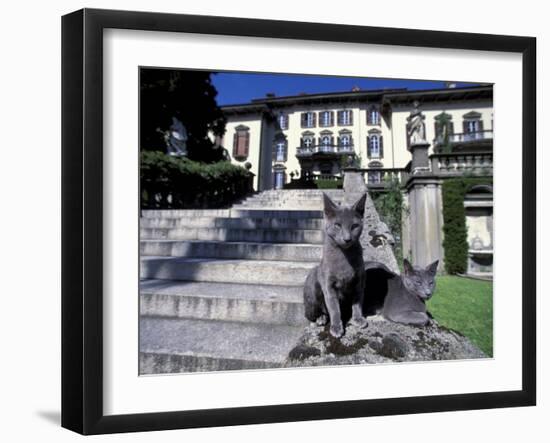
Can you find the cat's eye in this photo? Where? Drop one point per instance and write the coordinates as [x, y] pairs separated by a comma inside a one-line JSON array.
[[337, 225], [354, 226]]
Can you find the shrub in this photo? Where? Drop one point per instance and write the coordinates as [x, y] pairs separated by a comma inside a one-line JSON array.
[[455, 231], [178, 183], [390, 206], [329, 184]]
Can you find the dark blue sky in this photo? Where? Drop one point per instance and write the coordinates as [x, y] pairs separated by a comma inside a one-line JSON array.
[[236, 88]]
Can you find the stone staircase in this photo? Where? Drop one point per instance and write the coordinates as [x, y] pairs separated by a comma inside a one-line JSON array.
[[222, 289]]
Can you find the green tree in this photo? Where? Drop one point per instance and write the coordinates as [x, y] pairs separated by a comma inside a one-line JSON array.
[[188, 96]]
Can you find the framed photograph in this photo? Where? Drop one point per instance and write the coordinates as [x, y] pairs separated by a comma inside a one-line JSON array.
[[269, 221]]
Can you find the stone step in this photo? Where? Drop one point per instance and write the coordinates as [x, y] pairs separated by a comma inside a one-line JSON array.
[[223, 301], [233, 213], [286, 273], [243, 250], [228, 222], [235, 235], [186, 345], [298, 213], [176, 213]]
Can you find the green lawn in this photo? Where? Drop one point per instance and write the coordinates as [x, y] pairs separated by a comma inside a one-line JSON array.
[[466, 306]]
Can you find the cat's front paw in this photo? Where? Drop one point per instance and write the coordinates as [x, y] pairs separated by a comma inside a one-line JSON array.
[[336, 331], [360, 322]]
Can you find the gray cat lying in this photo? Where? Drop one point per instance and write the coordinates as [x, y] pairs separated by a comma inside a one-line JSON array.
[[400, 298], [338, 282]]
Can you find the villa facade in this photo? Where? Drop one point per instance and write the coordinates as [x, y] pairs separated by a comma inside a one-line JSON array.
[[314, 135]]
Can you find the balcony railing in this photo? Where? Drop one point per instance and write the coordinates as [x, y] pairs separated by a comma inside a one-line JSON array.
[[305, 151], [478, 163], [466, 137]]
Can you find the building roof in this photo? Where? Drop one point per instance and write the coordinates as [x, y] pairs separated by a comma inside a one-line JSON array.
[[386, 96]]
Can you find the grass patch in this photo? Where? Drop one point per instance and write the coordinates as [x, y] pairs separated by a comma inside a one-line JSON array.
[[465, 305]]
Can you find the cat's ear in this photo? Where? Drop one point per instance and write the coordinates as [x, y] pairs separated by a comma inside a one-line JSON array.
[[433, 267], [407, 266], [330, 207], [359, 205]]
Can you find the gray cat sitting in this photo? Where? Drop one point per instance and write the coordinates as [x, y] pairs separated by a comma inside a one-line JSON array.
[[337, 284], [400, 298]]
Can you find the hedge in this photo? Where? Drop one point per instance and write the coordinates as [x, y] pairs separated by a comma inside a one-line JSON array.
[[178, 183], [455, 242]]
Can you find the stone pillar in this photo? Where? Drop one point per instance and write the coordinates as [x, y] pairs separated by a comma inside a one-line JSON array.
[[267, 135], [425, 220], [420, 158]]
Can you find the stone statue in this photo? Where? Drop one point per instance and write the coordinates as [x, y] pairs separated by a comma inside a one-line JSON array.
[[176, 139], [416, 129]]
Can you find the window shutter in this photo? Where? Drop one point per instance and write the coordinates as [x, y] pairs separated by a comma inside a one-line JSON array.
[[274, 151], [381, 141], [246, 143], [314, 120], [350, 117], [351, 142], [331, 118], [465, 126], [368, 117], [368, 146], [480, 125], [235, 144], [339, 117], [303, 120], [286, 152]]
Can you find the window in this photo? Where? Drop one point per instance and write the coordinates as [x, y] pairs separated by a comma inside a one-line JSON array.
[[307, 141], [345, 118], [279, 179], [308, 119], [325, 118], [345, 142], [241, 142], [472, 126], [280, 149], [325, 143], [374, 146], [373, 116], [282, 119]]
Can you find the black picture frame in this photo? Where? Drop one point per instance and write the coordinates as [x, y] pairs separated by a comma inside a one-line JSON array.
[[82, 218]]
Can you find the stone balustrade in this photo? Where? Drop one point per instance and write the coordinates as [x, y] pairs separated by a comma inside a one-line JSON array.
[[305, 151], [478, 163]]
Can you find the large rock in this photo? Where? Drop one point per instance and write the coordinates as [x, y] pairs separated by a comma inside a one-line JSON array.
[[381, 342], [376, 239]]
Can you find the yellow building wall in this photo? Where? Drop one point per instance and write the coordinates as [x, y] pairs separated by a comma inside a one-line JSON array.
[[254, 123], [399, 123], [393, 130]]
